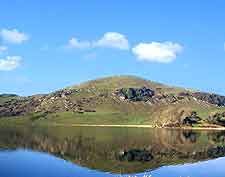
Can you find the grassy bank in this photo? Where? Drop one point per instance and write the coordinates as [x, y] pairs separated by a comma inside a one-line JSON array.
[[69, 118], [93, 119]]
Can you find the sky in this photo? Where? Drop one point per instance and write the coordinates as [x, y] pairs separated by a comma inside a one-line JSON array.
[[47, 45]]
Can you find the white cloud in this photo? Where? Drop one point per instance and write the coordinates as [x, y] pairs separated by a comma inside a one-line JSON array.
[[108, 40], [3, 49], [113, 40], [13, 36], [164, 52], [75, 43], [10, 63]]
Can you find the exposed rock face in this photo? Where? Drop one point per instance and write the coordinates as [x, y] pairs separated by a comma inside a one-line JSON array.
[[184, 94], [210, 98], [18, 107], [64, 93], [58, 101], [147, 94], [135, 94]]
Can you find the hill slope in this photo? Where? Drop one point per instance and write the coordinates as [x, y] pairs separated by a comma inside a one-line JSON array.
[[118, 100]]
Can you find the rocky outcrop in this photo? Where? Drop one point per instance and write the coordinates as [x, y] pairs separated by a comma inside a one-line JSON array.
[[59, 101], [64, 93], [185, 118], [218, 118], [147, 94], [210, 98], [17, 107], [206, 97], [135, 94]]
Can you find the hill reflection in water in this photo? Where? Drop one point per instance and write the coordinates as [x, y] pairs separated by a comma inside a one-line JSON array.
[[117, 150]]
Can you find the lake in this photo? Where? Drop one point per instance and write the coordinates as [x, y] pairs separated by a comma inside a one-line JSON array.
[[110, 152]]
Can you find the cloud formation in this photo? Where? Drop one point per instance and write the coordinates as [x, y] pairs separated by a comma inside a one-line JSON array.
[[75, 43], [10, 63], [13, 36], [3, 49], [108, 40], [113, 40], [164, 52], [161, 52]]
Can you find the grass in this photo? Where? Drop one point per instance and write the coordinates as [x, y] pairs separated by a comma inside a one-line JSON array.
[[110, 110], [92, 118], [5, 98], [69, 118], [117, 82], [204, 112]]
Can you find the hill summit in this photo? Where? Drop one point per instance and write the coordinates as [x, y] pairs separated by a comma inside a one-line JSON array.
[[119, 100]]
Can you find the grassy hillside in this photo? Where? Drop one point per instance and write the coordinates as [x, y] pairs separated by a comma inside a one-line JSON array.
[[117, 82], [7, 97], [116, 100]]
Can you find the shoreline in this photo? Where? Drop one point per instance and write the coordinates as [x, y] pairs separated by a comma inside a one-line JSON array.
[[140, 126]]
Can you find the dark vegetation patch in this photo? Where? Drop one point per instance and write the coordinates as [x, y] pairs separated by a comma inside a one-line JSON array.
[[135, 155], [218, 118], [135, 94], [192, 119]]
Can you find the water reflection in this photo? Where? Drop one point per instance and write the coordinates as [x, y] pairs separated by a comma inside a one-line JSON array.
[[117, 150]]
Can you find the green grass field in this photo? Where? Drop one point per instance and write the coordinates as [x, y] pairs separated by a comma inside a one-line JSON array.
[[94, 118]]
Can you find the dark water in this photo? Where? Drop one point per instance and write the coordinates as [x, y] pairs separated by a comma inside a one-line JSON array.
[[105, 152]]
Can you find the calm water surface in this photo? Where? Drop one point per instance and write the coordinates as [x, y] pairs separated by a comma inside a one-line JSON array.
[[106, 152]]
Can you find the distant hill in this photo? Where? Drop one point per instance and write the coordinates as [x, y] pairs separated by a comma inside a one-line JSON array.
[[122, 100]]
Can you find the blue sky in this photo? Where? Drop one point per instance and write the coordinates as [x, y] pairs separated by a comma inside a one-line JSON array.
[[48, 45]]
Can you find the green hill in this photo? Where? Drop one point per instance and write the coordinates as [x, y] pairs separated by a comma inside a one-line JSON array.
[[119, 100]]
